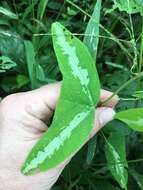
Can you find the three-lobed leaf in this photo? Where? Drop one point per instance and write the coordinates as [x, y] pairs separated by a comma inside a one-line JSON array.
[[75, 111], [132, 117]]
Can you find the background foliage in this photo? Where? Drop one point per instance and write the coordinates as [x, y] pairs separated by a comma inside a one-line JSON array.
[[120, 48]]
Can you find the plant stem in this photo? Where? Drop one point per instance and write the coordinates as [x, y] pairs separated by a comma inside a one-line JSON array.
[[104, 103]]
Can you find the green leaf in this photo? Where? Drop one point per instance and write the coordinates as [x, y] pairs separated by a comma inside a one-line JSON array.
[[130, 6], [132, 117], [22, 80], [41, 9], [40, 75], [75, 112], [30, 57], [91, 38], [91, 150], [138, 94], [116, 158], [12, 41], [8, 13]]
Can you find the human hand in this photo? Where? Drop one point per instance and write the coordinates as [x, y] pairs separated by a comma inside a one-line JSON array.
[[23, 118]]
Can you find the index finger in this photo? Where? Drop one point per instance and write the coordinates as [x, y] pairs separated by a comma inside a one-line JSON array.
[[104, 95]]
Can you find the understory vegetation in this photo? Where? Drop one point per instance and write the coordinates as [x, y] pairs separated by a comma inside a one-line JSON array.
[[28, 61]]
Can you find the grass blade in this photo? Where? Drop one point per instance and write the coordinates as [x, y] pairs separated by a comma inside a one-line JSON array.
[[30, 57]]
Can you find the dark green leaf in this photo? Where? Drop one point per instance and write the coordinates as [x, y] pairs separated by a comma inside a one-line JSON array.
[[116, 158], [91, 150]]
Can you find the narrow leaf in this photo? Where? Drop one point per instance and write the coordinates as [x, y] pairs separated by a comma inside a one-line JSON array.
[[132, 117], [40, 75], [8, 13], [41, 9], [116, 158], [91, 38], [30, 57], [91, 150], [75, 112]]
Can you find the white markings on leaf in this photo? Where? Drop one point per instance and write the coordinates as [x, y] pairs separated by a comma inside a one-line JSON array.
[[70, 51], [56, 143], [119, 167]]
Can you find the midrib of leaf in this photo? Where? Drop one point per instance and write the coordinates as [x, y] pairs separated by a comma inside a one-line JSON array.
[[81, 73], [57, 141]]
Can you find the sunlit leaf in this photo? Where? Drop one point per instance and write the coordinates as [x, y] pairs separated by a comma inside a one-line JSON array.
[[75, 112], [132, 117], [116, 158]]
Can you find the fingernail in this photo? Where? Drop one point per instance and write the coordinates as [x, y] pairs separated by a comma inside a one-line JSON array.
[[106, 115]]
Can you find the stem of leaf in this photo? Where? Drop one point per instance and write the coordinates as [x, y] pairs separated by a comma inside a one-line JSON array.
[[104, 103]]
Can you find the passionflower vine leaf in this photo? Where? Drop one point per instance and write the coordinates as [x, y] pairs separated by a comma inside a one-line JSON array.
[[75, 111], [132, 117]]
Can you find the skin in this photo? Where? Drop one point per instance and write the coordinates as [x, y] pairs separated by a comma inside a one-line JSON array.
[[23, 118]]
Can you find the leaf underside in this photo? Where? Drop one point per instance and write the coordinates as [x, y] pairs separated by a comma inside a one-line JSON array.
[[75, 111]]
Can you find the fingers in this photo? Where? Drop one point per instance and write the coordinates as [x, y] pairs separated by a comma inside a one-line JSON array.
[[102, 117], [104, 95], [41, 102]]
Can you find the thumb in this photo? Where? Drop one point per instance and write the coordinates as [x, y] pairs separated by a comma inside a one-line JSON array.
[[103, 116], [41, 102]]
